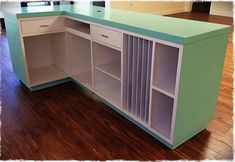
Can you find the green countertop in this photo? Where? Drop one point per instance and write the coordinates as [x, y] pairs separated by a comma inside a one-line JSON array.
[[175, 30]]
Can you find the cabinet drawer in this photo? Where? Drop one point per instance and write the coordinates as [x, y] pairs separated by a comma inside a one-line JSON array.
[[107, 36], [42, 25]]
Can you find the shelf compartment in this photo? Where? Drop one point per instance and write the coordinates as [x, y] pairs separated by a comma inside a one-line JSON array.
[[108, 87], [112, 69], [165, 67], [136, 76], [46, 74], [46, 54], [80, 59], [107, 60], [78, 25], [161, 113]]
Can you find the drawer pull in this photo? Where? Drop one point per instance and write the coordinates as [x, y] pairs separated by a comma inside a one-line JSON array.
[[105, 36], [44, 26]]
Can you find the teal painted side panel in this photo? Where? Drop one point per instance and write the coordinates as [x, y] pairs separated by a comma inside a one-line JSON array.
[[126, 116], [49, 84], [201, 72], [15, 48]]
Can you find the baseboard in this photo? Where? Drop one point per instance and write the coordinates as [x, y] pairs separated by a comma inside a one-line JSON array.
[[221, 13], [168, 12]]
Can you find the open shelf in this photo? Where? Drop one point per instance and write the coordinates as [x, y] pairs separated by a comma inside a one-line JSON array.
[[107, 60], [108, 87], [80, 59], [112, 69], [161, 113], [46, 74], [165, 67], [46, 58], [77, 25]]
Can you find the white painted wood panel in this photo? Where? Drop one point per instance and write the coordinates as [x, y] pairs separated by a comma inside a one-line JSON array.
[[42, 25], [106, 36]]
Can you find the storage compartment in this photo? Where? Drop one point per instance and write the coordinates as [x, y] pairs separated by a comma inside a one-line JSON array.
[[107, 60], [161, 113], [108, 87], [80, 59], [37, 26], [77, 25], [137, 58], [46, 58], [107, 36], [165, 68]]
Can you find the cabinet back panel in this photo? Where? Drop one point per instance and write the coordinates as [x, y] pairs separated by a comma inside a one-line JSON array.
[[104, 54], [58, 51], [38, 51], [80, 54]]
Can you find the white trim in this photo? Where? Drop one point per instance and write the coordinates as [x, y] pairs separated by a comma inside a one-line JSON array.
[[180, 56], [78, 33], [167, 12], [24, 54], [151, 84], [222, 13], [121, 79]]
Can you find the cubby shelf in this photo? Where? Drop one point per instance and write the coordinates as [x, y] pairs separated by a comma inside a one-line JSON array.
[[46, 74], [78, 33], [77, 25], [46, 59], [113, 69], [163, 91], [165, 65], [161, 113], [108, 87]]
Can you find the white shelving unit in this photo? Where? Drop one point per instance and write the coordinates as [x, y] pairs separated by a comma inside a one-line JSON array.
[[165, 68], [77, 25], [163, 97], [161, 113], [107, 60], [108, 87], [46, 58], [112, 68], [79, 50], [137, 75]]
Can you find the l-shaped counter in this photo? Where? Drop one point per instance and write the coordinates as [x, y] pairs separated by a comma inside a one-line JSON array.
[[161, 73]]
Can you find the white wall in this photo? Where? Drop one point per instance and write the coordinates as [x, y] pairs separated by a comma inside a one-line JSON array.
[[222, 8], [153, 7], [6, 4]]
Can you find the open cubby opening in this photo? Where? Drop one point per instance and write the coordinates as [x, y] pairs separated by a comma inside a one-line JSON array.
[[161, 113], [77, 25], [109, 87], [46, 58], [165, 68], [80, 59], [107, 60]]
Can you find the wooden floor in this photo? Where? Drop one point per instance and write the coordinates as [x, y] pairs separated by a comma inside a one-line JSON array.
[[64, 122]]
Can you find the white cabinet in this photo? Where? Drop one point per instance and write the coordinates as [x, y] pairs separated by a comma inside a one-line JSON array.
[[138, 75], [46, 58]]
